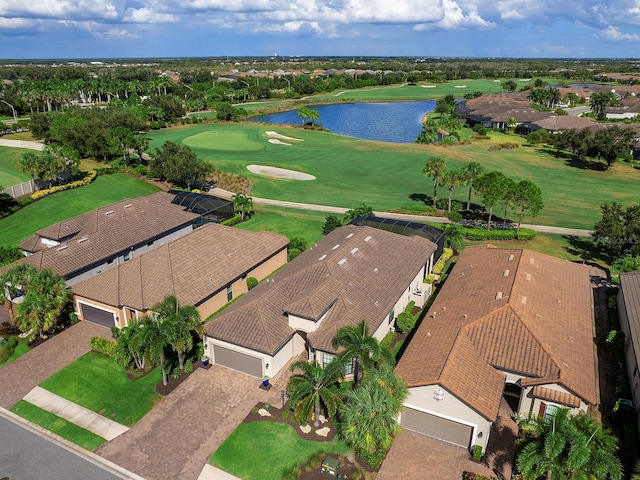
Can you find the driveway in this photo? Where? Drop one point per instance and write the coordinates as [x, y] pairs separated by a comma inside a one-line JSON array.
[[23, 374], [177, 437]]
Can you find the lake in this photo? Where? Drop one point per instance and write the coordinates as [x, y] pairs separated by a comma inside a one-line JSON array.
[[395, 122]]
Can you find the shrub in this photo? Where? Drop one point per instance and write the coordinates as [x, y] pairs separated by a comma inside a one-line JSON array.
[[454, 216], [429, 278], [188, 365], [508, 234], [438, 268], [67, 186], [476, 453], [104, 346], [252, 282], [387, 341], [504, 146], [375, 459], [229, 222], [406, 320], [526, 234]]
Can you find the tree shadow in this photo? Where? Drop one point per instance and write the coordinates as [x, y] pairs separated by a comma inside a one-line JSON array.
[[589, 251], [421, 197]]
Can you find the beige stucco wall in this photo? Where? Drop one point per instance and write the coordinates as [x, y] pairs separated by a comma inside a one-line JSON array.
[[529, 405], [450, 407], [292, 349]]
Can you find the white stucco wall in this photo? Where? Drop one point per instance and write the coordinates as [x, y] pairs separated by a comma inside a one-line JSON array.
[[450, 407]]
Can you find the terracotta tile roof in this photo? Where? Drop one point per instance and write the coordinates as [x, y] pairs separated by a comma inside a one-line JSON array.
[[106, 232], [354, 273], [556, 396], [565, 122], [522, 311], [192, 268]]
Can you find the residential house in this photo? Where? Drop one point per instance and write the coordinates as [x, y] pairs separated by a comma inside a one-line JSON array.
[[507, 322], [354, 273], [629, 313], [206, 268]]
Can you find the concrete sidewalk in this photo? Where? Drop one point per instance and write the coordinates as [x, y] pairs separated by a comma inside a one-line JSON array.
[[209, 472], [74, 413]]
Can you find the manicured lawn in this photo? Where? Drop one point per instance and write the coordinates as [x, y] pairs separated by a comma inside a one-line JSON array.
[[262, 450], [290, 222], [100, 384], [10, 173], [104, 190], [59, 426], [21, 349], [389, 176]]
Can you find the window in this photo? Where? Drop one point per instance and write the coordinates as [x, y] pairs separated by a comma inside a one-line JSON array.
[[391, 316], [229, 293], [127, 256], [326, 358], [348, 367], [550, 411]]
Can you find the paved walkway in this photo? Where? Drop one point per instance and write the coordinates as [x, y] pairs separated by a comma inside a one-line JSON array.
[[397, 216], [20, 376], [209, 472], [22, 144], [75, 413], [177, 437]]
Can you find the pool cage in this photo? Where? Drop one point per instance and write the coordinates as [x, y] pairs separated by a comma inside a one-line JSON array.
[[211, 209], [403, 227]]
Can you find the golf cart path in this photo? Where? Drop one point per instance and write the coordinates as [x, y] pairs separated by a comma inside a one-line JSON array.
[[577, 232]]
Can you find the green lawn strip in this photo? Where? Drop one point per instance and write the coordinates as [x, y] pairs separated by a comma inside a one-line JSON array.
[[262, 450], [59, 426], [104, 190], [388, 176], [290, 222], [98, 383], [21, 349], [10, 173]]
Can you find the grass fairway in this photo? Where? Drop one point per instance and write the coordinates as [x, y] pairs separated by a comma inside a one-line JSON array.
[[104, 190], [388, 176], [289, 222], [100, 384], [10, 173], [59, 426], [262, 450]]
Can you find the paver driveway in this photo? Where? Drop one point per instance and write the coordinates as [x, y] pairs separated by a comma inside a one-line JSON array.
[[20, 376], [177, 437]]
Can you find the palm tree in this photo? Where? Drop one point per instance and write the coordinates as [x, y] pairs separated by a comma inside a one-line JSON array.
[[470, 172], [565, 446], [157, 336], [311, 389], [599, 103], [369, 416], [15, 282], [181, 322], [435, 167], [359, 346], [242, 204], [451, 179], [44, 302], [313, 115], [130, 345]]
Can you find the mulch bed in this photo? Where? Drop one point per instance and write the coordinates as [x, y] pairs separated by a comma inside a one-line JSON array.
[[173, 383], [349, 465]]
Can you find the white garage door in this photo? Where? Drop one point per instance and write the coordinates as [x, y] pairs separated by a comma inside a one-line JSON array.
[[97, 315], [237, 361], [437, 427]]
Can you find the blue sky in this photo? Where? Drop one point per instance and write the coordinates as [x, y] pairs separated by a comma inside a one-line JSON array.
[[182, 28]]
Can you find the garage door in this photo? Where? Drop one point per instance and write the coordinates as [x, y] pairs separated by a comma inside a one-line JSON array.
[[437, 427], [237, 361], [97, 315]]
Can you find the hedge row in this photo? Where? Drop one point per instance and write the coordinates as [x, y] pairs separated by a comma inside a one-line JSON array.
[[447, 253], [509, 234], [104, 346], [230, 222], [67, 186]]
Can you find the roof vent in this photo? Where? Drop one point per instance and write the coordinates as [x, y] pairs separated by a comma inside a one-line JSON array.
[[523, 300], [322, 257], [498, 295], [375, 269], [354, 250], [335, 246], [109, 212], [83, 239], [465, 315], [367, 238], [505, 273], [128, 205], [64, 247], [528, 276], [511, 257], [342, 262], [532, 260], [444, 308], [349, 236]]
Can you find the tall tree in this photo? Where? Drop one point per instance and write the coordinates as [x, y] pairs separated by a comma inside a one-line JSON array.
[[178, 164], [451, 179], [599, 103], [435, 167], [131, 345], [242, 204], [491, 187], [470, 172], [564, 446], [157, 336], [312, 389], [526, 200], [359, 346], [15, 282], [619, 228], [362, 210]]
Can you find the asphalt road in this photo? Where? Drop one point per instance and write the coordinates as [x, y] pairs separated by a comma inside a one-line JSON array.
[[27, 454]]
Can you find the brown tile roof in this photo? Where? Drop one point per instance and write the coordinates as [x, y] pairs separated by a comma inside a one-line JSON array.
[[192, 268], [630, 291], [106, 232], [354, 273], [565, 122], [556, 396], [522, 311]]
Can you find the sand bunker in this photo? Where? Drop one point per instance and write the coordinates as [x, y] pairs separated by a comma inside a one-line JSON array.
[[428, 86], [460, 86], [275, 141], [282, 137], [279, 172]]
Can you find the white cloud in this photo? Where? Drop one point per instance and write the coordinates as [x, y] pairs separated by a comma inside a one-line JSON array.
[[61, 9], [612, 33], [15, 23], [145, 15]]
